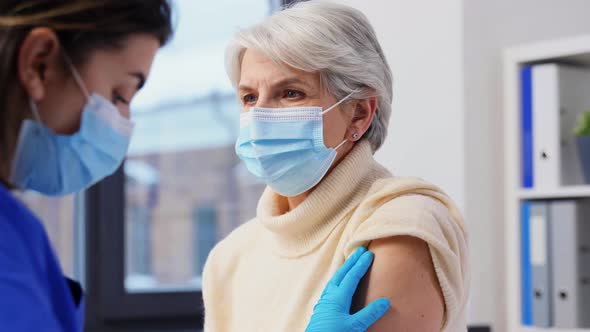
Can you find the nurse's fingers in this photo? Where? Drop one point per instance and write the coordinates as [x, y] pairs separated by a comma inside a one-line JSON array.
[[371, 313], [348, 264], [357, 272]]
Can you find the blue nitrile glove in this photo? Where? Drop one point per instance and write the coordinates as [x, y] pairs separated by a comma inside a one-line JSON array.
[[332, 312]]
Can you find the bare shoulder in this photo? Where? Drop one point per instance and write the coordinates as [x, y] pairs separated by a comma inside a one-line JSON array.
[[403, 272]]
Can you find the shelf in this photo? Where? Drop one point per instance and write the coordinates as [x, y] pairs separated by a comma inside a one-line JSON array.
[[564, 192], [574, 50], [550, 329]]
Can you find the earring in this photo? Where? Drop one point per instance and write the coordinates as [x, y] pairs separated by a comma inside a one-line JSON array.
[[355, 136]]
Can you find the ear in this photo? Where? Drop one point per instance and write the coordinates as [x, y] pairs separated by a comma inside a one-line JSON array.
[[38, 61], [364, 111]]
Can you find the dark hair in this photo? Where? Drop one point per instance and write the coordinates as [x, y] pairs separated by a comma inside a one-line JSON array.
[[82, 26]]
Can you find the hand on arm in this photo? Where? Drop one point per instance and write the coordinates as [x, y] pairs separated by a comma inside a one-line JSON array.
[[332, 312], [403, 272]]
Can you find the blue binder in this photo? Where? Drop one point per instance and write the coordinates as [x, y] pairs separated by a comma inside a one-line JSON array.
[[527, 126], [526, 272]]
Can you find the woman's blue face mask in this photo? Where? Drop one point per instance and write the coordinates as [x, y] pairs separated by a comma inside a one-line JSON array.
[[284, 147]]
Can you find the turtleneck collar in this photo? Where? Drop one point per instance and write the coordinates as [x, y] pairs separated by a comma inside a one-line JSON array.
[[302, 229]]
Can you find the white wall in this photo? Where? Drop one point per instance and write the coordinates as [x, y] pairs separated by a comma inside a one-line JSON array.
[[489, 27], [447, 123], [423, 48]]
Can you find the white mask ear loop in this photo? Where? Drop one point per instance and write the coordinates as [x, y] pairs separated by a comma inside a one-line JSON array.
[[341, 144], [34, 110], [333, 106], [78, 80], [340, 102], [77, 76]]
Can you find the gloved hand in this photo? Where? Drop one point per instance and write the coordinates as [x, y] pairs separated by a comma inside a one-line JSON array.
[[332, 312]]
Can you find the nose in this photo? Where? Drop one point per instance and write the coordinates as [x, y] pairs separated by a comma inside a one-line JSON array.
[[266, 100], [125, 111], [265, 103]]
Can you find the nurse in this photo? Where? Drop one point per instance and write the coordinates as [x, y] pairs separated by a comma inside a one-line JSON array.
[[68, 72]]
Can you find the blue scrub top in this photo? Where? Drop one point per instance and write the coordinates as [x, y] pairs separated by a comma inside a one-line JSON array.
[[34, 294]]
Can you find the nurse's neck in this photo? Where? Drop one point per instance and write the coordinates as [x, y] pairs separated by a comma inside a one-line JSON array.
[[3, 176], [5, 184]]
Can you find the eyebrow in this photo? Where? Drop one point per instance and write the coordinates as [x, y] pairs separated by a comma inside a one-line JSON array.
[[140, 77], [281, 83]]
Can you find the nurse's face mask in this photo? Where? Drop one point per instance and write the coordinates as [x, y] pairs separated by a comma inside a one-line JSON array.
[[284, 147], [55, 164]]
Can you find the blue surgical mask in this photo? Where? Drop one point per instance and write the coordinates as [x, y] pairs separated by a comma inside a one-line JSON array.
[[284, 147], [57, 165]]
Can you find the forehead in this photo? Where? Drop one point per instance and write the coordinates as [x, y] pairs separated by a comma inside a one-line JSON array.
[[137, 54], [257, 68]]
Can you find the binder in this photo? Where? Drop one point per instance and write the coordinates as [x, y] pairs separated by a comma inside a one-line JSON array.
[[527, 127], [540, 264], [546, 125], [570, 235], [525, 257], [558, 95]]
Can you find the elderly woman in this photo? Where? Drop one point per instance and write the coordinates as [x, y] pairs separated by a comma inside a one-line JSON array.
[[316, 92]]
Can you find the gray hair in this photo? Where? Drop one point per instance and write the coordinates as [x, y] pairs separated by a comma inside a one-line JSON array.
[[337, 41]]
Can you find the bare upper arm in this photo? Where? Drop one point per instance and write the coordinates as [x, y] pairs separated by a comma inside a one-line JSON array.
[[403, 272]]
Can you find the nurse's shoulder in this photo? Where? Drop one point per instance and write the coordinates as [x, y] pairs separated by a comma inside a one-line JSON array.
[[24, 304], [18, 227]]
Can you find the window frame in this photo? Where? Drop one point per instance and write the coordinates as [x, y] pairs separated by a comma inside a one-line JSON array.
[[109, 307]]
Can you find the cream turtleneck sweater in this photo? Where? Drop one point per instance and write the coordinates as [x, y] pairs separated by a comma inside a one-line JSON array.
[[268, 273]]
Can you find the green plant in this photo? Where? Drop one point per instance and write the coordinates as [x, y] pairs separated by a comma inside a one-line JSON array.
[[583, 127]]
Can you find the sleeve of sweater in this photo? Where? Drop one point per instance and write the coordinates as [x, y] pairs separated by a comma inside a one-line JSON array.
[[214, 299], [211, 292], [433, 221], [217, 279]]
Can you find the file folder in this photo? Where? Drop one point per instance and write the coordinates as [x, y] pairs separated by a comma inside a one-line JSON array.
[[559, 93], [540, 264], [525, 257], [527, 127], [570, 236]]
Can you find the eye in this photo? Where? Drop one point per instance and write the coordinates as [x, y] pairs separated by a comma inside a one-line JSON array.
[[293, 94], [248, 99], [118, 98]]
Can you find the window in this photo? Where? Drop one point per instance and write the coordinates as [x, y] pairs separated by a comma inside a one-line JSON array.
[[138, 235], [204, 236], [182, 152], [152, 224]]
